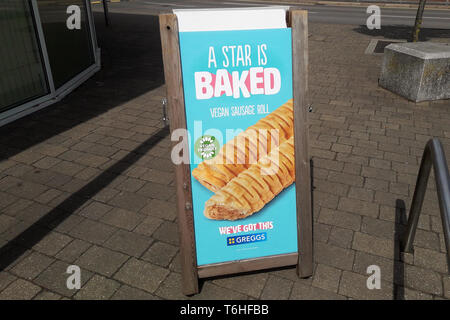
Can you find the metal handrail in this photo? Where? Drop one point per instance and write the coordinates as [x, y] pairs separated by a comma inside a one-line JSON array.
[[433, 155]]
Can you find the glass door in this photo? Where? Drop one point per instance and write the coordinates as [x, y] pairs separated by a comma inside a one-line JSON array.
[[67, 35], [22, 73]]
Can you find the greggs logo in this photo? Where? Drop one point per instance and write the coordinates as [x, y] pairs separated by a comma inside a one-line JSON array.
[[246, 238]]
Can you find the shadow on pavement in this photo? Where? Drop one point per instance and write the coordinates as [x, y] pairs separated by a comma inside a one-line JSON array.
[[131, 66], [39, 229], [403, 32], [399, 268]]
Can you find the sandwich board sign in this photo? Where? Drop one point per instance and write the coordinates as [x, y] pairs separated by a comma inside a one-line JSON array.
[[236, 86]]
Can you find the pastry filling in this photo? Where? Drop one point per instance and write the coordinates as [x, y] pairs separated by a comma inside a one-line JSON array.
[[220, 212]]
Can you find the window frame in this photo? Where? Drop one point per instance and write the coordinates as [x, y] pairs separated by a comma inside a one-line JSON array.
[[55, 94]]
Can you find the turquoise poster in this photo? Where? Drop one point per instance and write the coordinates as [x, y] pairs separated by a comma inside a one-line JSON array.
[[239, 114]]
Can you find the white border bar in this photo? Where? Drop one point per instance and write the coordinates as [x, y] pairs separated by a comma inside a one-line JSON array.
[[271, 17]]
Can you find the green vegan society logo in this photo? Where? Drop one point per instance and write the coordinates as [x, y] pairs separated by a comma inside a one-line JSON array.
[[206, 147]]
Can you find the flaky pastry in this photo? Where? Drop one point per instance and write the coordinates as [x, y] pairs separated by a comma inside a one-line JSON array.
[[246, 148]]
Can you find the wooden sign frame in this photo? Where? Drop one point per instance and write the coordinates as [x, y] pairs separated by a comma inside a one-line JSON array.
[[298, 21]]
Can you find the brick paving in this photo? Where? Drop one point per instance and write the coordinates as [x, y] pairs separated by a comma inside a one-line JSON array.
[[89, 182]]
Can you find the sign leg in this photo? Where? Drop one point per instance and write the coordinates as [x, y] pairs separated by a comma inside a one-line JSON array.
[[299, 24], [175, 103]]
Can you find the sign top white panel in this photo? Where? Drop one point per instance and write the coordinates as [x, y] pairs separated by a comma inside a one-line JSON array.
[[231, 18]]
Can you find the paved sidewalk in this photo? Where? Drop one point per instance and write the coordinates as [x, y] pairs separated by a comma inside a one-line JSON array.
[[89, 182]]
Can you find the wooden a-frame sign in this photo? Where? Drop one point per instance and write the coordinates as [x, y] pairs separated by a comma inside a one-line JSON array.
[[297, 20]]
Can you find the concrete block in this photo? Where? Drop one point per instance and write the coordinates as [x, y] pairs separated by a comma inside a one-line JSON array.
[[418, 71]]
